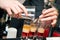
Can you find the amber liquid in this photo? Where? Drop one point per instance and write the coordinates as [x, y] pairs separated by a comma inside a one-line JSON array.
[[40, 32], [32, 30], [26, 30]]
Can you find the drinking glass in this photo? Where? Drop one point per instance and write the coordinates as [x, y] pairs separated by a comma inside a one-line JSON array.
[[28, 20]]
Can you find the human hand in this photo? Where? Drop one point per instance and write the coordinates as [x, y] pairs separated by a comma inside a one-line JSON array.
[[49, 14], [12, 6]]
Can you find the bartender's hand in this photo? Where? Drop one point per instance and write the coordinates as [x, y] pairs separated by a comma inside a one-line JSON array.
[[49, 14], [12, 6]]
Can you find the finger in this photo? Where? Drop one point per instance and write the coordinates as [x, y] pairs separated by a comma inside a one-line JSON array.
[[49, 18], [41, 16], [43, 10], [51, 14], [9, 11], [22, 7], [14, 10], [20, 15], [54, 22], [18, 9], [49, 10]]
